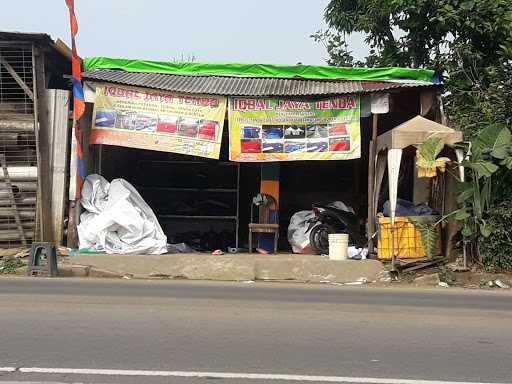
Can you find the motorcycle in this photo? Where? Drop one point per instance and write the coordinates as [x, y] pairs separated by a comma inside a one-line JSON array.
[[329, 220]]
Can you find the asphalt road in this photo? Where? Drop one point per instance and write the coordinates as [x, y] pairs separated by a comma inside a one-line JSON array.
[[177, 328]]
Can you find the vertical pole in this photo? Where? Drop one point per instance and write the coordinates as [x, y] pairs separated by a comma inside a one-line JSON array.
[[44, 175], [459, 153], [74, 215], [394, 159], [372, 153], [100, 160], [237, 205], [393, 256], [59, 101], [74, 201]]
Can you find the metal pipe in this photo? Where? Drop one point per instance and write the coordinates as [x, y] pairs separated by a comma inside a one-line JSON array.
[[6, 194], [20, 186], [23, 121], [24, 224], [24, 156], [6, 212], [21, 173], [14, 235], [20, 202], [8, 139]]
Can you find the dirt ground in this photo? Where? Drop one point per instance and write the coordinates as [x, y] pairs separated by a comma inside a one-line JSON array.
[[474, 278]]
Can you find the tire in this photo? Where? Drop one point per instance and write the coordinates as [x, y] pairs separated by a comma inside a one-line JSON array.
[[319, 238]]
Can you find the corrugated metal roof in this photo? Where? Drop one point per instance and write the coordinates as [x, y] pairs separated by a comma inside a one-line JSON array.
[[243, 86], [41, 38]]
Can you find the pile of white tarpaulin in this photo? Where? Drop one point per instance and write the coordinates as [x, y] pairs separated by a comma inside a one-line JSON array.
[[117, 219]]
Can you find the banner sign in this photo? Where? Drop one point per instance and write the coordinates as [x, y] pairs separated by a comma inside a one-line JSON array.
[[262, 129], [158, 120]]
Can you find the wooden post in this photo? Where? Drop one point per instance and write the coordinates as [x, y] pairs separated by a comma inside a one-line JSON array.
[[74, 202], [44, 176], [372, 154], [393, 245], [59, 137], [73, 215]]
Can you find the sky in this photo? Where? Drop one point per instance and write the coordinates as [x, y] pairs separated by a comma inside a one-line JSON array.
[[245, 31]]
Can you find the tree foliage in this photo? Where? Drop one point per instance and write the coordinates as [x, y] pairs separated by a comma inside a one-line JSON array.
[[496, 250], [469, 44], [423, 33]]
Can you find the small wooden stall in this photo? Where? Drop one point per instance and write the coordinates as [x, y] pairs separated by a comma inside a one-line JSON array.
[[390, 146]]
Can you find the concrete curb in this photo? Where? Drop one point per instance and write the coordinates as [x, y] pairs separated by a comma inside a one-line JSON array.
[[302, 268]]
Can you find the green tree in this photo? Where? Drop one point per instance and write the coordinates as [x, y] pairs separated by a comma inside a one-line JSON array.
[[420, 33], [469, 44]]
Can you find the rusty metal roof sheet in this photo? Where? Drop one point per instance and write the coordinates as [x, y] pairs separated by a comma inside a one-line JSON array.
[[244, 86]]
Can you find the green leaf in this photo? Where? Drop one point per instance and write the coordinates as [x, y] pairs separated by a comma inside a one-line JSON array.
[[485, 230], [507, 162], [465, 195], [426, 157], [430, 148], [462, 214], [502, 144], [494, 139], [466, 231], [429, 236], [463, 186], [482, 168]]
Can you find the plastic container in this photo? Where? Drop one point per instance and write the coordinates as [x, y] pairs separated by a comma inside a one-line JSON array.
[[338, 246], [407, 238]]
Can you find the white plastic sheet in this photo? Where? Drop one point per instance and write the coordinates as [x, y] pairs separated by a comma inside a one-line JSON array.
[[394, 159], [357, 253], [117, 219], [297, 236], [299, 223]]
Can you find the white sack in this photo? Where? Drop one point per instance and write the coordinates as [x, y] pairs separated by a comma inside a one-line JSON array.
[[357, 253], [117, 219], [297, 236]]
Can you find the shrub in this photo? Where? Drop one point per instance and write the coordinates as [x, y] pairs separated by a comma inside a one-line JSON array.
[[496, 250], [9, 264]]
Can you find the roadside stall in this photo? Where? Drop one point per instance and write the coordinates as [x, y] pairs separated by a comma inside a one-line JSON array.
[[203, 143]]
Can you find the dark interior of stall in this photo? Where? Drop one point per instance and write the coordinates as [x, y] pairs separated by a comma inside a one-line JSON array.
[[198, 201], [206, 203]]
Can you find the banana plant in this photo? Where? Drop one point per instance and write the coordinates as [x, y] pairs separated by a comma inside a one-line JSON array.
[[427, 161], [488, 154]]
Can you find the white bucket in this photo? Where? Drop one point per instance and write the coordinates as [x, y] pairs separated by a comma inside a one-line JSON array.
[[338, 246]]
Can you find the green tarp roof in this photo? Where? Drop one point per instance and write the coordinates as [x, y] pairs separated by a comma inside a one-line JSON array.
[[260, 70]]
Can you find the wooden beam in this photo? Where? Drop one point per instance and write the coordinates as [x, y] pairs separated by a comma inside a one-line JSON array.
[[63, 48], [16, 77], [42, 128], [59, 137], [73, 216], [372, 154]]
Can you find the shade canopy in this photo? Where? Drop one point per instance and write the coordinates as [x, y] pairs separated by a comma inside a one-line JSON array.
[[416, 131]]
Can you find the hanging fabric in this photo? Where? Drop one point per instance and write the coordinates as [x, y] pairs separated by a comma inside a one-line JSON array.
[[78, 99]]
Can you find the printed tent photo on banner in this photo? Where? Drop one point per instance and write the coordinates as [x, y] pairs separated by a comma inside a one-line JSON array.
[[271, 129], [162, 121]]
